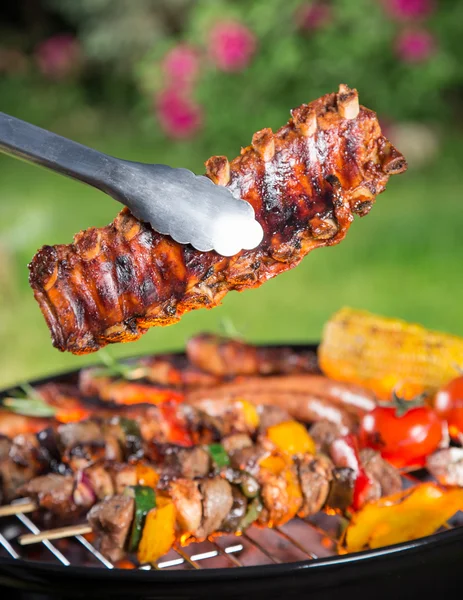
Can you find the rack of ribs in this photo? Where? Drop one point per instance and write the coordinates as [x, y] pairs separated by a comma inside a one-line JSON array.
[[305, 182]]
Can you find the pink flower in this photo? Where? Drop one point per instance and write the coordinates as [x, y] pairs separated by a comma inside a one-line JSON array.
[[415, 46], [313, 15], [409, 9], [180, 116], [181, 65], [231, 45], [58, 56]]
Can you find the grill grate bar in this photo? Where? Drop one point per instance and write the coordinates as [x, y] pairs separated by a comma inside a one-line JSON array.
[[8, 547], [48, 545], [185, 557], [86, 544], [295, 543], [228, 555], [261, 549]]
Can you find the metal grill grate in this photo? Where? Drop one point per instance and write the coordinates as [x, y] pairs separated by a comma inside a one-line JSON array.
[[300, 539]]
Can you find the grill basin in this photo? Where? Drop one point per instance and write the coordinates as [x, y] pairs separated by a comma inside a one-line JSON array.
[[299, 558]]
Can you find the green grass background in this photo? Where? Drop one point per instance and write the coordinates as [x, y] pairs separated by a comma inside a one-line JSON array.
[[402, 260]]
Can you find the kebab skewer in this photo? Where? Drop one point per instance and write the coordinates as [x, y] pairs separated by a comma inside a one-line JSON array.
[[252, 483]]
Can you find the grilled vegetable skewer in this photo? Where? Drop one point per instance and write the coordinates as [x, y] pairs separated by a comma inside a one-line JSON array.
[[275, 488]]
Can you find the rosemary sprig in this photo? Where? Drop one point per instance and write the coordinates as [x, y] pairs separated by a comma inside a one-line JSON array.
[[114, 368], [28, 403], [228, 329]]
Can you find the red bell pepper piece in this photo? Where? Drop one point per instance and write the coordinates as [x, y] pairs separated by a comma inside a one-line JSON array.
[[178, 432], [344, 452]]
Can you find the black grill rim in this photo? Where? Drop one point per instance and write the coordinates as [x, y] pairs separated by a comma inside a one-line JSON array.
[[405, 550]]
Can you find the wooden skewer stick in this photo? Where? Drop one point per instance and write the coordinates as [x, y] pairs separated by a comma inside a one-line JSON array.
[[54, 534], [18, 508]]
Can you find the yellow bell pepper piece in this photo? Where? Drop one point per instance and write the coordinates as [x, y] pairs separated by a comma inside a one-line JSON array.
[[274, 463], [146, 475], [282, 470], [291, 437], [250, 413], [158, 533], [402, 517]]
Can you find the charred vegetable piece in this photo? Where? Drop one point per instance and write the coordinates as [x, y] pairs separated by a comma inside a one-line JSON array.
[[158, 534], [252, 514], [145, 500], [382, 353], [219, 456], [291, 437], [237, 513], [133, 437], [344, 453], [249, 485], [341, 489], [401, 517]]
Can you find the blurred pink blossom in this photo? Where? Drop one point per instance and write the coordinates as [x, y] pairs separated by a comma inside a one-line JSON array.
[[414, 46], [409, 9], [314, 15], [179, 115], [231, 45], [181, 65], [58, 56]]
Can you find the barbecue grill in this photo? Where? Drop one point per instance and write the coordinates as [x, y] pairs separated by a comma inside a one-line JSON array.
[[296, 560]]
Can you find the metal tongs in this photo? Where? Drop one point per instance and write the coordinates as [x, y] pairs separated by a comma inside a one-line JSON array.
[[176, 202]]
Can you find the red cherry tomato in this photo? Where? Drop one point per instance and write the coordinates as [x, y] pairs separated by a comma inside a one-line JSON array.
[[402, 440], [448, 403]]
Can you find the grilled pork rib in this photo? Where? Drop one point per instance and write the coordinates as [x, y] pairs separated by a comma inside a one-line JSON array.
[[305, 183]]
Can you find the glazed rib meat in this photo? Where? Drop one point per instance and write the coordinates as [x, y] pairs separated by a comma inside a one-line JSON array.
[[305, 183]]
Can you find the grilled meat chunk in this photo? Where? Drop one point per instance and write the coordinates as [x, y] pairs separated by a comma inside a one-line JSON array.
[[123, 475], [186, 462], [176, 371], [305, 183], [270, 416], [236, 441], [111, 521], [99, 480], [446, 466], [315, 475], [217, 503], [81, 433], [324, 433], [384, 477], [23, 462], [188, 504], [276, 391], [226, 357], [5, 445], [54, 493]]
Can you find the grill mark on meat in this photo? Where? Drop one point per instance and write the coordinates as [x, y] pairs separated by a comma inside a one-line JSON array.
[[306, 168]]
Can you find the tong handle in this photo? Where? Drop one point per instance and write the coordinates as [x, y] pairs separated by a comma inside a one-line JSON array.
[[41, 147]]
